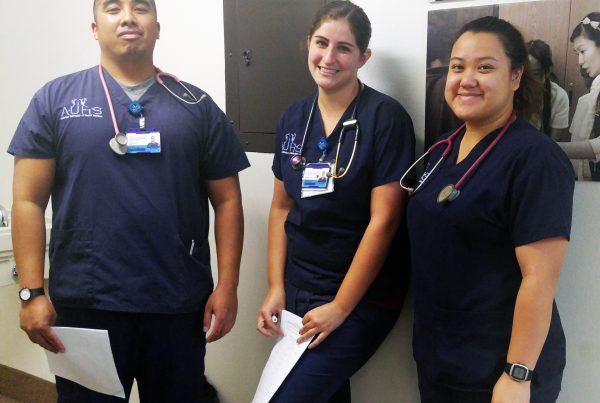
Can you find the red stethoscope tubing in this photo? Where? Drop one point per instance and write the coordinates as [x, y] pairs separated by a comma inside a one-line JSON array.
[[449, 142]]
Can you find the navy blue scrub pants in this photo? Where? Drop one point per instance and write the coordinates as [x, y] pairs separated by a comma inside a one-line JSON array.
[[322, 374], [435, 393], [164, 353]]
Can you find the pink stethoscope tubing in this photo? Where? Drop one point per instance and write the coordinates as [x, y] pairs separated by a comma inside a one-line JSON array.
[[119, 142], [159, 80]]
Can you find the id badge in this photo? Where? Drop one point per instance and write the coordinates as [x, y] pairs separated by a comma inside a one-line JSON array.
[[143, 141], [316, 179]]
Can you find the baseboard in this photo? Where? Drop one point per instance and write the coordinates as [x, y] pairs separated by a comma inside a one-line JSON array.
[[25, 387]]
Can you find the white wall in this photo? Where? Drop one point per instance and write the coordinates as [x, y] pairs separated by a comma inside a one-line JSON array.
[[41, 40]]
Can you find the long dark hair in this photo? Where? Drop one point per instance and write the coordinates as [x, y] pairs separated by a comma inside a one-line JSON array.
[[541, 51], [528, 97]]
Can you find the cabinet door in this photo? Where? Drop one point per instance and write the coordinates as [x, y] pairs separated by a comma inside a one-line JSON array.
[[266, 64]]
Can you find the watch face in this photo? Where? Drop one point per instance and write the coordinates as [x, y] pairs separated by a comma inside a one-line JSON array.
[[519, 372], [25, 294]]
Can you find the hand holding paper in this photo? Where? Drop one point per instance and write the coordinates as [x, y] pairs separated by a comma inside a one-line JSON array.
[[87, 360]]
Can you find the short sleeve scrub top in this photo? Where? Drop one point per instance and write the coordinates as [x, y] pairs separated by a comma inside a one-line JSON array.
[[465, 272]]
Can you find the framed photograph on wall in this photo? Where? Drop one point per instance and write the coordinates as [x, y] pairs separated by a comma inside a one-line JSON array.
[[554, 31]]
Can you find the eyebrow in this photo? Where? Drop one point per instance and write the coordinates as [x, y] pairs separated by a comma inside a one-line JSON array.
[[479, 59], [339, 43], [108, 2]]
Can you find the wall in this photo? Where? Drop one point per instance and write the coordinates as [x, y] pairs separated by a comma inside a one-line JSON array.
[[35, 48]]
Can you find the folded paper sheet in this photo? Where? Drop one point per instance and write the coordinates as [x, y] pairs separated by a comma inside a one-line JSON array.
[[87, 360], [284, 356]]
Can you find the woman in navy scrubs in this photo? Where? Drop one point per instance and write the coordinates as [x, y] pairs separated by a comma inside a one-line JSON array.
[[487, 247], [336, 255]]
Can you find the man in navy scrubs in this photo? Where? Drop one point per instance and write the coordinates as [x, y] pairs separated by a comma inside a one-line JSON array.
[[129, 248]]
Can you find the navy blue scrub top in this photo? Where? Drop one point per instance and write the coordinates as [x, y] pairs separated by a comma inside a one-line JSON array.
[[465, 272], [324, 231], [123, 226]]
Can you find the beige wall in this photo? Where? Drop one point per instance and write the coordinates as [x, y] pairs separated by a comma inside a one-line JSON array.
[[40, 40]]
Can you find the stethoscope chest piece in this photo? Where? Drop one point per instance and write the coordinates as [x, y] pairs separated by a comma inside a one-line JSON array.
[[298, 162], [119, 144], [447, 194]]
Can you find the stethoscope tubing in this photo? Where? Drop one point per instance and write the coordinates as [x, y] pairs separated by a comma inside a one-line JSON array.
[[449, 142], [109, 99], [299, 159], [159, 80], [119, 142]]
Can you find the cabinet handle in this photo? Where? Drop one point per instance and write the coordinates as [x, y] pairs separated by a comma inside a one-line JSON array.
[[247, 57]]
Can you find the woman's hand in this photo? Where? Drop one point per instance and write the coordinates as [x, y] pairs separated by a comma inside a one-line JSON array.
[[272, 305], [508, 390], [321, 321]]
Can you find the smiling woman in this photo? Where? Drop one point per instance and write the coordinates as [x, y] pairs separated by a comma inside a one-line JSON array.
[[334, 257], [484, 274]]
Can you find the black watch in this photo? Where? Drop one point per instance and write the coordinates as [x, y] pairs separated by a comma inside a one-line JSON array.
[[518, 372], [26, 294]]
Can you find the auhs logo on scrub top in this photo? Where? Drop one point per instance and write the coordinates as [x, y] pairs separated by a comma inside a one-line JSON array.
[[79, 109], [289, 146]]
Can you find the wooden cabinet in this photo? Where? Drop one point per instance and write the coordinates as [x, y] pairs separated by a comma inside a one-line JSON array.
[[266, 64]]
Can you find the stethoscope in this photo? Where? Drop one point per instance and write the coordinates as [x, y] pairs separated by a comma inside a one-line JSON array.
[[298, 161], [450, 192], [119, 142]]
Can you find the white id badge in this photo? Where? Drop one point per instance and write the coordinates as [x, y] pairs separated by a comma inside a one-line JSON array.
[[143, 141], [316, 179]]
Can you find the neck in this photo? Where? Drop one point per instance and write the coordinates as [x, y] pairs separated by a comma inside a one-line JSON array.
[[475, 131], [129, 72], [335, 101]]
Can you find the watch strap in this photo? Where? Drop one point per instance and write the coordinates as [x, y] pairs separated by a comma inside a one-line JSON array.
[[518, 372]]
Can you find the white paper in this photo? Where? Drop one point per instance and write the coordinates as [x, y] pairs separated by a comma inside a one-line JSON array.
[[87, 360], [284, 356]]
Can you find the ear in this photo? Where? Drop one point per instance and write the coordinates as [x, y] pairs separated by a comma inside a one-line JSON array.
[[95, 30], [158, 31], [364, 57], [515, 78]]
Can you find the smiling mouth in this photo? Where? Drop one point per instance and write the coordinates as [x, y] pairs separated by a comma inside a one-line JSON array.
[[328, 70], [130, 34]]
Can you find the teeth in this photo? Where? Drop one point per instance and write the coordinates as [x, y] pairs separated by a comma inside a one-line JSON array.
[[328, 69]]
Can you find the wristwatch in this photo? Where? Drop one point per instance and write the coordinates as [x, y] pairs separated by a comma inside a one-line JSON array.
[[518, 372], [25, 294]]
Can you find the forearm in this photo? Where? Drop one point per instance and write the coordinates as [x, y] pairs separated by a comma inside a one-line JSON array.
[[277, 248], [29, 242], [578, 149], [229, 237], [533, 312], [368, 260]]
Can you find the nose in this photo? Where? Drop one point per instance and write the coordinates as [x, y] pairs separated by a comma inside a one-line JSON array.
[[128, 16], [328, 55], [468, 79], [580, 59]]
